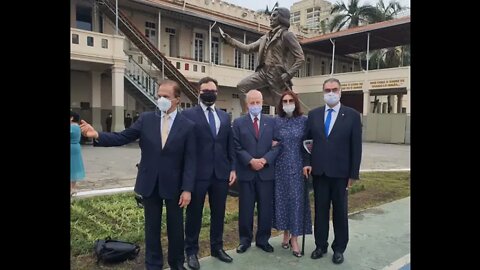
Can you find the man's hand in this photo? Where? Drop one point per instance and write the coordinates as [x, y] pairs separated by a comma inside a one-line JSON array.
[[185, 199], [274, 143], [350, 183], [232, 178], [285, 77], [88, 130], [307, 170], [256, 164]]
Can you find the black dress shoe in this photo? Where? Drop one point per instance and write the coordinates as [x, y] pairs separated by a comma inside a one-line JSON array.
[[317, 253], [242, 248], [267, 247], [222, 255], [337, 258], [192, 262]]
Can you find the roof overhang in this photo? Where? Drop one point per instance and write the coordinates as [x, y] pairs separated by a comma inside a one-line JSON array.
[[382, 35]]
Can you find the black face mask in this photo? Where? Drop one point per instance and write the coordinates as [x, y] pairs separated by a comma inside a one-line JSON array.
[[208, 98]]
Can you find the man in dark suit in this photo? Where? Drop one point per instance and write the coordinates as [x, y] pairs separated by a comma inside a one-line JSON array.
[[336, 131], [215, 172], [256, 153], [127, 121], [108, 122], [166, 171]]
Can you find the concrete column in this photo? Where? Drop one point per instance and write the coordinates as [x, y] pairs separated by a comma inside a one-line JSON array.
[[96, 100], [159, 30], [95, 25], [408, 101], [366, 100], [118, 97], [73, 14], [399, 103]]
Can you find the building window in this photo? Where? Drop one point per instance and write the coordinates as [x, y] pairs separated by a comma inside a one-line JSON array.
[[203, 69], [266, 109], [74, 38], [215, 50], [172, 42], [308, 67], [195, 68], [150, 31], [89, 41], [251, 61], [238, 59], [140, 59], [295, 17], [313, 17], [104, 43], [84, 17], [198, 47], [234, 95], [178, 65]]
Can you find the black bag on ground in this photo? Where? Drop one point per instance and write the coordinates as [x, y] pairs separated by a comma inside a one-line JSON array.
[[115, 251]]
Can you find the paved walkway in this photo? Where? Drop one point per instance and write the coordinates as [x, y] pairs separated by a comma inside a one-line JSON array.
[[114, 167], [379, 239]]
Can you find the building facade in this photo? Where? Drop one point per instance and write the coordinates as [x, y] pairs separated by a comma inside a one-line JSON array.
[[107, 68]]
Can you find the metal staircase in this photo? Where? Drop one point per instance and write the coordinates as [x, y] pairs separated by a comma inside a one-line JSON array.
[[150, 51], [140, 85]]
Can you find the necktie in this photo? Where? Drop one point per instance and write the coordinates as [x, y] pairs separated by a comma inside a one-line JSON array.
[[327, 121], [165, 128], [255, 126], [211, 121]]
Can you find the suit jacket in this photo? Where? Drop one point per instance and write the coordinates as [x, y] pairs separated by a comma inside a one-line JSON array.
[[274, 52], [340, 154], [215, 155], [173, 167], [247, 146]]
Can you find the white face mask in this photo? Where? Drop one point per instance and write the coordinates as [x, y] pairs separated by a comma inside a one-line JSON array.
[[164, 104], [331, 98], [289, 108]]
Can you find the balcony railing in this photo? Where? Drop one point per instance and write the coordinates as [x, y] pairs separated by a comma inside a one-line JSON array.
[[95, 46]]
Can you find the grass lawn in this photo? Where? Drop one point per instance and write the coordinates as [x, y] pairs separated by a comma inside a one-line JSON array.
[[119, 217]]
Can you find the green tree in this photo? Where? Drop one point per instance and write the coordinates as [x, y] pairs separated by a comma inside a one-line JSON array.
[[353, 14], [385, 13]]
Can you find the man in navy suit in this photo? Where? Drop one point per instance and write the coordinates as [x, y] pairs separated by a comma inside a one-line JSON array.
[[256, 153], [166, 171], [215, 172], [336, 131]]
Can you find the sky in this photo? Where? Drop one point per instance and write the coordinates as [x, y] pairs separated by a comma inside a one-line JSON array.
[[261, 4]]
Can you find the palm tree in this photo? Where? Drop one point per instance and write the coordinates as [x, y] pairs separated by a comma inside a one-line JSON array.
[[353, 14], [385, 13]]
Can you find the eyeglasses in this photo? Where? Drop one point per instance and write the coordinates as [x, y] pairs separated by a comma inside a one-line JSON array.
[[328, 90], [286, 101], [209, 90]]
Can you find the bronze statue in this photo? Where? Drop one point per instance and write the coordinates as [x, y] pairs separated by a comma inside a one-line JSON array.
[[273, 50]]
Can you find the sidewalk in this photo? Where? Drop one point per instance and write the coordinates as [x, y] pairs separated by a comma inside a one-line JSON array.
[[114, 167], [379, 237]]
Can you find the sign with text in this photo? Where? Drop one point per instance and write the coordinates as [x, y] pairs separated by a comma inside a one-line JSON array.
[[394, 83], [350, 86]]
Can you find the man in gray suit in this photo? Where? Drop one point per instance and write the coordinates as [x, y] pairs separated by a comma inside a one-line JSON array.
[[273, 49]]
